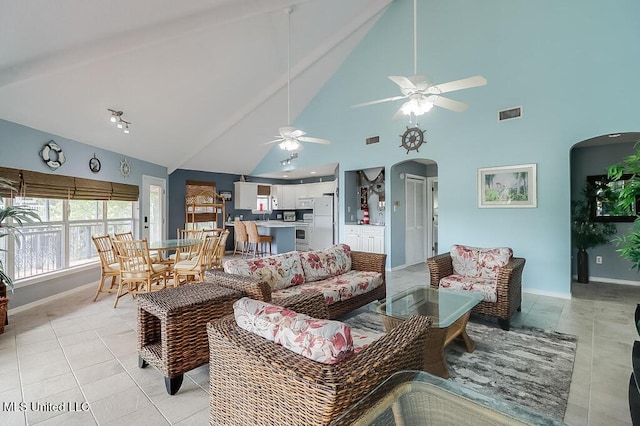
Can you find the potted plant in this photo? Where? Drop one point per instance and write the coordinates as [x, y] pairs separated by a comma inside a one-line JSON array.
[[630, 243], [12, 218], [586, 233]]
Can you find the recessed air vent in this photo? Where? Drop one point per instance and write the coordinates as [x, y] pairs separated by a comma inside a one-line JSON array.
[[509, 114], [372, 139]]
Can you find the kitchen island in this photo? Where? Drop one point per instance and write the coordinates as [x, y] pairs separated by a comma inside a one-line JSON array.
[[283, 233]]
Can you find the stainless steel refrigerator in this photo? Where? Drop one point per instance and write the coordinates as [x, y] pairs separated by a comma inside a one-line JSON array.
[[322, 232]]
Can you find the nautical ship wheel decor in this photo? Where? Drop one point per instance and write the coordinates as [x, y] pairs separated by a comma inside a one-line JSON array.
[[412, 138]]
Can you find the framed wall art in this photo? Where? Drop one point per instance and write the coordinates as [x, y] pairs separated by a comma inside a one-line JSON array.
[[507, 187]]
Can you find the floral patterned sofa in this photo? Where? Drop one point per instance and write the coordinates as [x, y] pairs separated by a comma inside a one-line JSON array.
[[346, 279], [492, 272]]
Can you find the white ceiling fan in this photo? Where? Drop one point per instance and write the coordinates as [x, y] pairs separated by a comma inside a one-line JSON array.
[[421, 94], [291, 137]]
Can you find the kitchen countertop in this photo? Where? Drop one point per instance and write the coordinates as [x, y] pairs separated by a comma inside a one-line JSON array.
[[271, 224], [364, 224]]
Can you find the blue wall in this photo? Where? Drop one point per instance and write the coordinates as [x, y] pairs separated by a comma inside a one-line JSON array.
[[21, 148], [572, 65]]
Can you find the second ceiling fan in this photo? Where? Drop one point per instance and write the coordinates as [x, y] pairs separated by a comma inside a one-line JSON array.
[[421, 94], [290, 137]]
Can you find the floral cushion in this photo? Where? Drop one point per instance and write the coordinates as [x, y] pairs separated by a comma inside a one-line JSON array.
[[363, 338], [485, 286], [321, 340], [280, 271], [479, 262], [322, 264], [338, 288]]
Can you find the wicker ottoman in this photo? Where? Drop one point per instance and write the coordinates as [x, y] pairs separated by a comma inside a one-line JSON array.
[[172, 327]]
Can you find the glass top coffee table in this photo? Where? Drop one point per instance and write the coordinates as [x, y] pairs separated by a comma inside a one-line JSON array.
[[448, 309], [419, 398]]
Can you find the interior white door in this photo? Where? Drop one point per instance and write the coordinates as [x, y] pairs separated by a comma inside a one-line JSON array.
[[153, 203], [415, 231]]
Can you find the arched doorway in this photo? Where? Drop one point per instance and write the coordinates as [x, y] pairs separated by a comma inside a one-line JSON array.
[[413, 211]]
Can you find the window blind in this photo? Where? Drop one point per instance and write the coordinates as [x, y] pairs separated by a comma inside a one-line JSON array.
[[46, 185]]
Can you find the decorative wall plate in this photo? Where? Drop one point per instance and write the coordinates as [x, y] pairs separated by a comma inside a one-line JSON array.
[[125, 168], [52, 155], [94, 164], [412, 138]]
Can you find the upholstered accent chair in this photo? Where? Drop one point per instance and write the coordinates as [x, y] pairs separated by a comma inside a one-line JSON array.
[[492, 272]]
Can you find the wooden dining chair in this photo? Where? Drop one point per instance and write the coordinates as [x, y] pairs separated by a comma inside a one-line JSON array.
[[193, 269], [137, 271], [109, 265], [187, 234], [218, 258], [256, 240], [156, 256]]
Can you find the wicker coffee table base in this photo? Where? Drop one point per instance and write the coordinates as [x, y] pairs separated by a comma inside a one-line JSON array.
[[437, 339], [172, 328]]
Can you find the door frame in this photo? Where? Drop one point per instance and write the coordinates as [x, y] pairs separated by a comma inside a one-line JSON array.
[[145, 207], [419, 210], [431, 250]]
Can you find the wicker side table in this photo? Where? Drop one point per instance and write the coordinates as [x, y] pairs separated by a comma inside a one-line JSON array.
[[172, 327]]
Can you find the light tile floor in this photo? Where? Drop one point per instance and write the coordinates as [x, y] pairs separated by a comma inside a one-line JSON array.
[[80, 358]]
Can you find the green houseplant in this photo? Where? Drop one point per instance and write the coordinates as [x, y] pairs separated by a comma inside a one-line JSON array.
[[12, 218], [586, 233], [629, 243]]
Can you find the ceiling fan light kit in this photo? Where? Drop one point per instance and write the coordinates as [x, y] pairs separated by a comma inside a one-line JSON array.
[[421, 95], [289, 138], [121, 123]]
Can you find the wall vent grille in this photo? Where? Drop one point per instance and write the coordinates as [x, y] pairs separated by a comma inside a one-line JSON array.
[[510, 114], [372, 139]]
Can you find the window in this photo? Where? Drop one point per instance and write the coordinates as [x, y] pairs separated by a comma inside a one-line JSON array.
[[63, 237]]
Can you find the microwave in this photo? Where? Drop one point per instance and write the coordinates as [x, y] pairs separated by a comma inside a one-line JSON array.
[[304, 203], [289, 216]]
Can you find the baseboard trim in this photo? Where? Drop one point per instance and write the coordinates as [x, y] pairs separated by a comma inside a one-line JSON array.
[[547, 293], [48, 299], [612, 281]]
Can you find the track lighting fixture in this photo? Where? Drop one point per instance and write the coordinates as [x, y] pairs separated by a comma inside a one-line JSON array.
[[287, 160], [116, 117]]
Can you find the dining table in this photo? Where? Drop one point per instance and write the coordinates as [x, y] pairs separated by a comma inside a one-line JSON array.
[[173, 244]]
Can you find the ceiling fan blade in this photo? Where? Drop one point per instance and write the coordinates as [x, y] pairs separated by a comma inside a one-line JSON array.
[[465, 83], [285, 131], [379, 101], [297, 133], [447, 103], [273, 141], [314, 140], [403, 82], [399, 114]]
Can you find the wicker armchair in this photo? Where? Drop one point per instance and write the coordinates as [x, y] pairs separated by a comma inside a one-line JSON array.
[[258, 382], [509, 289]]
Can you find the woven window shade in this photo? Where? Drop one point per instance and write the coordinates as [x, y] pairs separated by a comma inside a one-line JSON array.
[[124, 192], [90, 189], [44, 185], [264, 190], [14, 176]]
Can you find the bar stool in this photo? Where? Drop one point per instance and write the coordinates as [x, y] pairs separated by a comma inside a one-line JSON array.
[[240, 233], [256, 240]]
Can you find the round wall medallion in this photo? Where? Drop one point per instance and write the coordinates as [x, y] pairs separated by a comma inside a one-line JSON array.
[[52, 155], [125, 168], [412, 138], [94, 164]]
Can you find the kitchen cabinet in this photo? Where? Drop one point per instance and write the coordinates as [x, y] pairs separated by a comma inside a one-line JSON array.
[[288, 197], [365, 238], [247, 194]]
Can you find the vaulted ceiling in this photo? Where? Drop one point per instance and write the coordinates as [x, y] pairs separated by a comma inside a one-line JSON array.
[[203, 82]]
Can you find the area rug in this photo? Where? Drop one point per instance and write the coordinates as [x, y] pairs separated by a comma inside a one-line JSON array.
[[527, 366]]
